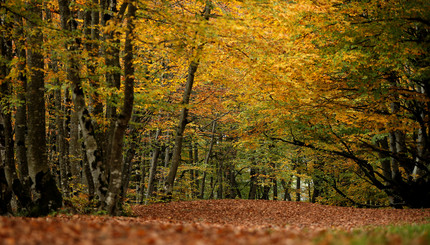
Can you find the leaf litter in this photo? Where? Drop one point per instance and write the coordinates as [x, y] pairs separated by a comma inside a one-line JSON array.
[[206, 222]]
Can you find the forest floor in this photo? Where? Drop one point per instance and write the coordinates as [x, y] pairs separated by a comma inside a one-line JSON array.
[[214, 222]]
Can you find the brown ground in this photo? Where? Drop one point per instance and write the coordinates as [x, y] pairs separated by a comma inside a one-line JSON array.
[[204, 222]]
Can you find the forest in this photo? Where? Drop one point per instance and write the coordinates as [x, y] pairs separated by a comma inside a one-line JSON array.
[[111, 103]]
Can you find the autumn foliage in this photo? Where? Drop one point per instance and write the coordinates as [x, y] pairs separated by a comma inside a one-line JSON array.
[[106, 104]]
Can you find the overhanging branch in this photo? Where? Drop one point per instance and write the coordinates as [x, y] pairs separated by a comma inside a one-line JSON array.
[[363, 164]]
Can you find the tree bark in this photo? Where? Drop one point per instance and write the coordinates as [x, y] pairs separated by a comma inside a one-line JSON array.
[[194, 159], [61, 142], [47, 197], [115, 159], [177, 150], [92, 147], [207, 158], [220, 173], [298, 189], [234, 187], [6, 112], [153, 168], [75, 148], [422, 142], [143, 171], [21, 112], [253, 183], [128, 162], [286, 186]]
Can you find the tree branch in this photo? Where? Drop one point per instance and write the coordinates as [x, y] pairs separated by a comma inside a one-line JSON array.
[[363, 164]]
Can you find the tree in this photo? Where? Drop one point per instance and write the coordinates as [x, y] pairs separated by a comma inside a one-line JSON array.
[[367, 84], [177, 150], [47, 196], [116, 150]]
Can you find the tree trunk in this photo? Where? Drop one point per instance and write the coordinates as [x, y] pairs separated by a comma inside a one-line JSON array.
[[275, 188], [5, 192], [92, 148], [177, 149], [422, 144], [298, 189], [60, 138], [87, 177], [153, 168], [6, 113], [395, 149], [208, 156], [253, 183], [128, 162], [234, 188], [176, 158], [143, 171], [47, 197], [192, 171], [195, 172], [115, 159], [286, 186], [21, 113], [75, 148], [21, 187], [166, 156], [219, 176], [317, 189]]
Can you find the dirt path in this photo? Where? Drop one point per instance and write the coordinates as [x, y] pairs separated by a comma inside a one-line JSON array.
[[278, 214], [203, 222]]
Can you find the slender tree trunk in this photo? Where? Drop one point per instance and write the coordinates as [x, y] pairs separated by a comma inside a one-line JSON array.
[[395, 141], [253, 183], [8, 155], [128, 162], [46, 194], [75, 147], [115, 158], [275, 189], [153, 168], [87, 177], [191, 163], [111, 51], [5, 186], [21, 112], [234, 187], [143, 171], [61, 134], [92, 147], [21, 187], [298, 189], [419, 170], [266, 187], [91, 28], [177, 150], [6, 112], [5, 192], [202, 186], [219, 173], [208, 156], [20, 129], [167, 154], [212, 184], [196, 172], [317, 188], [286, 185]]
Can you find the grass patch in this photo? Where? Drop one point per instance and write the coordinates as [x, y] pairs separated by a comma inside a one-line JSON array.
[[418, 234]]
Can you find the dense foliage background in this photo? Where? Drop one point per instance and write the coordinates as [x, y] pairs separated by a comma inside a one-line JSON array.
[[109, 102]]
